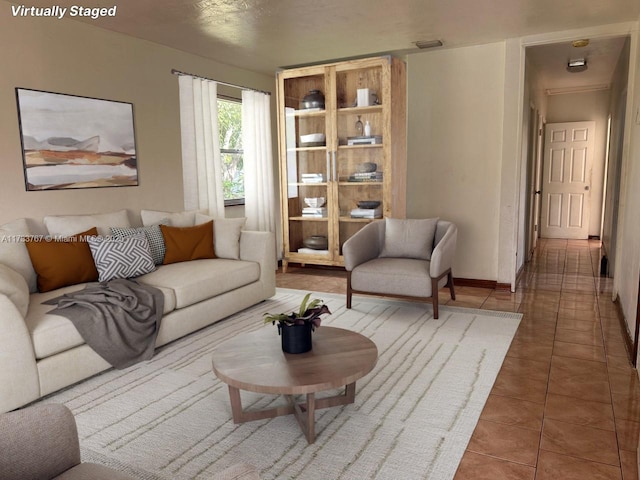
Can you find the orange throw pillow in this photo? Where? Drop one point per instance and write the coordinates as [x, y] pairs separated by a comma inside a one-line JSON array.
[[188, 243], [59, 263]]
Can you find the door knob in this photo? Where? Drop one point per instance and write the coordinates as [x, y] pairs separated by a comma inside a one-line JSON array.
[[538, 192], [587, 187]]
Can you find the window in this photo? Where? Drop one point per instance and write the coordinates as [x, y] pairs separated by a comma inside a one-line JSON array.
[[230, 129]]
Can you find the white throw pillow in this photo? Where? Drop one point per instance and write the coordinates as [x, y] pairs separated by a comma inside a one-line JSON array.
[[67, 225], [13, 251], [409, 238], [15, 287], [121, 258], [226, 235], [176, 219]]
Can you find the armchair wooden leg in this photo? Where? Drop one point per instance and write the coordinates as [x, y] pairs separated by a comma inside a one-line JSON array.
[[349, 290], [450, 285], [434, 297]]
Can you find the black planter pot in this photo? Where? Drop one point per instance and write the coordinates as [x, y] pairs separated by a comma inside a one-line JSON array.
[[295, 338]]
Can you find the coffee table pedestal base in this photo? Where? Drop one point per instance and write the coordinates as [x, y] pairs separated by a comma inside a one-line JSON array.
[[304, 412]]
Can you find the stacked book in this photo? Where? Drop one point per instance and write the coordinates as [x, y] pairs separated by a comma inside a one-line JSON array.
[[366, 177], [367, 212], [314, 212], [312, 178]]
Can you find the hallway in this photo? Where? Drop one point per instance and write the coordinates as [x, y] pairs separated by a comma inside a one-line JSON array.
[[566, 403]]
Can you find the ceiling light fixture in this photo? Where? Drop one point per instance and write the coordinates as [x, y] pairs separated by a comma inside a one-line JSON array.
[[580, 43], [577, 65], [428, 43]]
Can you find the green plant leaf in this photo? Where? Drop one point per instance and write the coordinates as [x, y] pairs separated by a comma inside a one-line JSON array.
[[303, 305]]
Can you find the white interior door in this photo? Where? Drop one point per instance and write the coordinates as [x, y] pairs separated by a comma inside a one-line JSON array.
[[566, 186]]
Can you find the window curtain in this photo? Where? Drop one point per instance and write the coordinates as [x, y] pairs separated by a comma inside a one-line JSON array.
[[201, 160], [260, 204]]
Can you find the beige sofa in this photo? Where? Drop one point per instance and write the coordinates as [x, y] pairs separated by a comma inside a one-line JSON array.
[[42, 353]]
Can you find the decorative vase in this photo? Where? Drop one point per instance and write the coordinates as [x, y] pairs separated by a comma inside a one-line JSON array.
[[295, 338], [313, 99]]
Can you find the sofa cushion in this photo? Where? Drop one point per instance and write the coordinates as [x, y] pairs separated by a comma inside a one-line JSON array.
[[13, 251], [15, 287], [398, 276], [176, 219], [154, 237], [187, 243], [226, 235], [199, 280], [65, 225], [121, 257], [59, 263], [53, 334], [409, 238]]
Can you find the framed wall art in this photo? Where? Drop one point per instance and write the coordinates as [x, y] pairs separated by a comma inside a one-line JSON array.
[[73, 142]]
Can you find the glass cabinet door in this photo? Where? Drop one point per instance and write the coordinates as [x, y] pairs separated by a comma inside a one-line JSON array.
[[360, 157], [308, 166]]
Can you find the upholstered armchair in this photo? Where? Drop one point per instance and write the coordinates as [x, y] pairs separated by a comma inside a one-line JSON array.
[[41, 443], [401, 258]]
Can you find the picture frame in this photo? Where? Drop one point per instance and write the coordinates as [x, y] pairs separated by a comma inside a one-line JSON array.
[[73, 142]]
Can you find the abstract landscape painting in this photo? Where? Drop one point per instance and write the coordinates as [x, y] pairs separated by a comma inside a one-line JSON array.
[[76, 142]]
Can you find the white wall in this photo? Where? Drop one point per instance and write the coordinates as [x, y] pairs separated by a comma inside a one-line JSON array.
[[589, 106], [627, 268], [76, 58], [455, 113]]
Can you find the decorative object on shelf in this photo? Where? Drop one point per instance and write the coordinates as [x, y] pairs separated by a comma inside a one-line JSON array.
[[367, 204], [367, 167], [367, 129], [71, 142], [314, 202], [365, 177], [312, 177], [371, 140], [316, 242], [295, 328], [359, 127], [367, 212], [313, 99], [312, 140], [366, 97]]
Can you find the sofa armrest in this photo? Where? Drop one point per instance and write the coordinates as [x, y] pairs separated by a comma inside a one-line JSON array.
[[19, 383], [442, 255], [365, 245], [38, 442], [260, 247]]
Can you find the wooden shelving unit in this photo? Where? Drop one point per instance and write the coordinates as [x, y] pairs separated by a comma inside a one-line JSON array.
[[336, 161]]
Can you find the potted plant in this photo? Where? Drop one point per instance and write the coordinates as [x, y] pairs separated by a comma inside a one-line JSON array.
[[295, 328]]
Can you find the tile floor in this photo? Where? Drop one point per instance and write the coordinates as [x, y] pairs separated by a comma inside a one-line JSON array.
[[566, 403]]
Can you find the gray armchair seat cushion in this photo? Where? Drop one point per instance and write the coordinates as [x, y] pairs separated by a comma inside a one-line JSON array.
[[396, 276]]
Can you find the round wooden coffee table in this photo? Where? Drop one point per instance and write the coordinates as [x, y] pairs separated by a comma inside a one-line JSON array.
[[255, 362]]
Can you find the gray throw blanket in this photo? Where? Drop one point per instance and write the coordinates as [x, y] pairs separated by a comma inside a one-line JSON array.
[[119, 319]]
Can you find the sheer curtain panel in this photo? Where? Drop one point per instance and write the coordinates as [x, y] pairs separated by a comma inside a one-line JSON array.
[[260, 204], [201, 160]]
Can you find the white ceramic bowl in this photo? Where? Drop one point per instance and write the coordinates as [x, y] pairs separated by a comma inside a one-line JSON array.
[[312, 138], [314, 202]]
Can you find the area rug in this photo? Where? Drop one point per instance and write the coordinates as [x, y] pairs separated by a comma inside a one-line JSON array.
[[413, 416]]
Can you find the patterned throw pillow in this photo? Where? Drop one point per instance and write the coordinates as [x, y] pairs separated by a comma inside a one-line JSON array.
[[121, 258], [154, 237]]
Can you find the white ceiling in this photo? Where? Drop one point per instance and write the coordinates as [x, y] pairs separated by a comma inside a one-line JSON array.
[[262, 35], [551, 63]]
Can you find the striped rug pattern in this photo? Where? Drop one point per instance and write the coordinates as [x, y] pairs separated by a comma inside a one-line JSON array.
[[169, 418]]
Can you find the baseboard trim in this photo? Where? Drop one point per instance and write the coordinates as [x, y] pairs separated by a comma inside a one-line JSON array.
[[473, 282], [594, 237]]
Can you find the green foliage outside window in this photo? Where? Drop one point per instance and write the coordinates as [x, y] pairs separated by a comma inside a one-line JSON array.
[[230, 129]]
